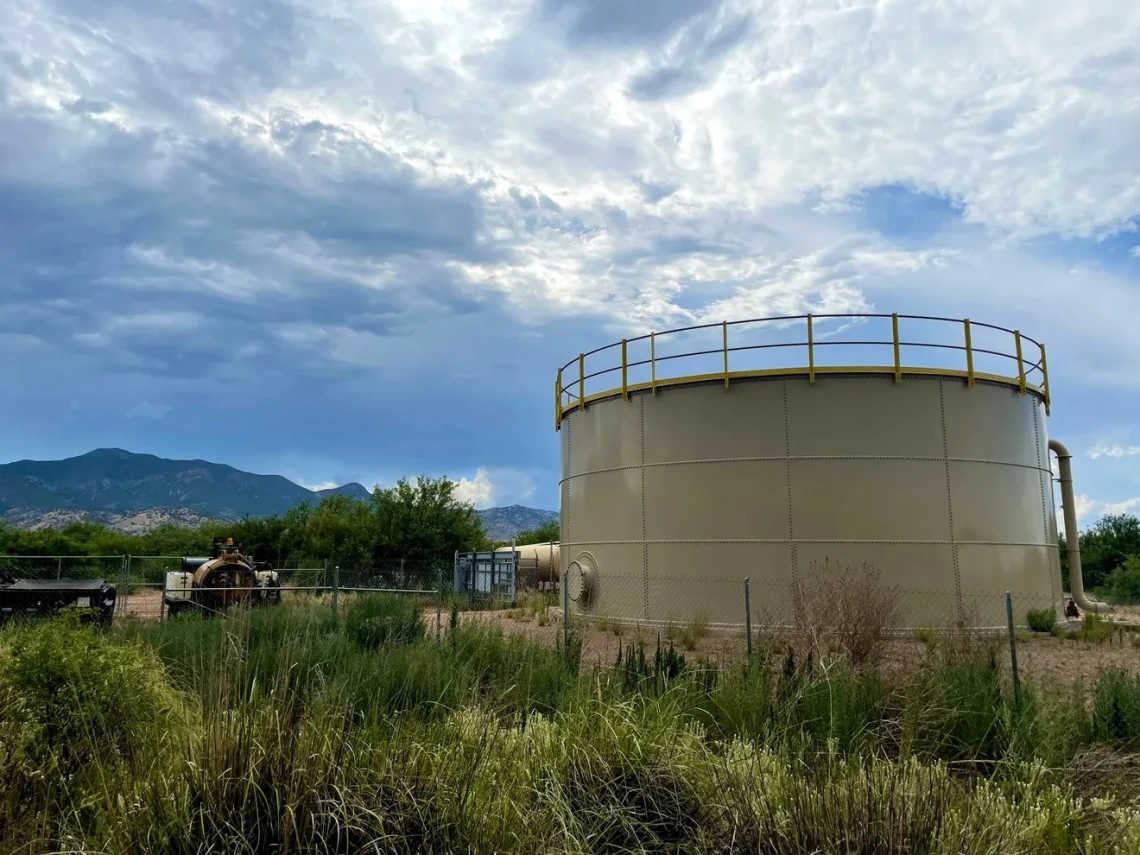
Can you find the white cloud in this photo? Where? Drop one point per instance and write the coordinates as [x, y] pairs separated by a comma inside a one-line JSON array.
[[147, 410], [327, 485], [652, 179], [1090, 510], [1086, 505], [479, 490], [1104, 450], [493, 487], [1127, 506]]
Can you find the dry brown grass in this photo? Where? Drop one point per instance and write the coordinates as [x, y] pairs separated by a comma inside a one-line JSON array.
[[839, 609]]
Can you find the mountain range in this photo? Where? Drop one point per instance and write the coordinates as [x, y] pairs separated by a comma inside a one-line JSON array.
[[137, 492]]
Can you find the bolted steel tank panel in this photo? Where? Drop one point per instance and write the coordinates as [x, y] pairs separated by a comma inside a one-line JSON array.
[[676, 489]]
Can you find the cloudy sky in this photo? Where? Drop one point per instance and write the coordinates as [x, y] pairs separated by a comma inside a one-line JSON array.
[[354, 240]]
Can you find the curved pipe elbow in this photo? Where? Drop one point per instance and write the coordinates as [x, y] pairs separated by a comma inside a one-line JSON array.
[[1072, 536]]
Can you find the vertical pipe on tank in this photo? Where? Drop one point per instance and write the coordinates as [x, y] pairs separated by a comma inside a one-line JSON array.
[[1072, 537]]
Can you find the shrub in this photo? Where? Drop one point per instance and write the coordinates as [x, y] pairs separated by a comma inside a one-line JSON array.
[[836, 704], [928, 637], [1041, 620], [1116, 707], [840, 610], [958, 710], [78, 697], [1095, 629], [1124, 582], [693, 631], [533, 604], [375, 620]]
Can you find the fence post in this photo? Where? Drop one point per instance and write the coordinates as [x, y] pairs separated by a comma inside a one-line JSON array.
[[335, 587], [125, 583], [1013, 651], [748, 614], [162, 602], [566, 610], [59, 567], [515, 574], [439, 603]]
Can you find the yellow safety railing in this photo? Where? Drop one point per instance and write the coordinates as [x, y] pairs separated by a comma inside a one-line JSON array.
[[1027, 378]]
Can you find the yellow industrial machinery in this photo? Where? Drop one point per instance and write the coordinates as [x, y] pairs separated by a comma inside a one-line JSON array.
[[227, 578]]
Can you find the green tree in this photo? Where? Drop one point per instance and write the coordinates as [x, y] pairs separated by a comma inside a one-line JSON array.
[[1123, 584], [340, 530], [548, 531], [423, 524], [415, 525], [1105, 546]]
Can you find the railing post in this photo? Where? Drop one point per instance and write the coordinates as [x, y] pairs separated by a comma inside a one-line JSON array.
[[624, 372], [724, 330], [59, 567], [558, 401], [335, 587], [811, 352], [748, 614], [162, 602], [438, 603], [969, 355], [898, 353], [581, 381], [1020, 363], [653, 362], [1045, 379]]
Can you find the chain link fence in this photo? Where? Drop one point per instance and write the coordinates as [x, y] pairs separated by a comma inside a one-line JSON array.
[[726, 620], [142, 582], [721, 619]]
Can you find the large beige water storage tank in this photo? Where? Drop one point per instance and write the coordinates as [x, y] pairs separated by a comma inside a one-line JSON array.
[[539, 565], [762, 449]]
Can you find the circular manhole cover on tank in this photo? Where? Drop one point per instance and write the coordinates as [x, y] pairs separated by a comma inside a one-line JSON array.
[[582, 573]]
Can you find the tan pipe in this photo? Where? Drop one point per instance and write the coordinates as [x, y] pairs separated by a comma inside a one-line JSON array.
[[1072, 536]]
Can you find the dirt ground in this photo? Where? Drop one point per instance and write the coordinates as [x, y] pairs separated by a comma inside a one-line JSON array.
[[1041, 658], [143, 603]]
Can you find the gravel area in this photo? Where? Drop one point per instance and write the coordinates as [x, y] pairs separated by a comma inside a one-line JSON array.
[[1041, 658]]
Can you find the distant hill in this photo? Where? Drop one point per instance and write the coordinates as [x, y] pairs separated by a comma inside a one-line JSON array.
[[505, 523], [110, 484], [135, 493]]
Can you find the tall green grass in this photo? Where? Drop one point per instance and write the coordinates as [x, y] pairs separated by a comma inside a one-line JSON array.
[[286, 730]]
